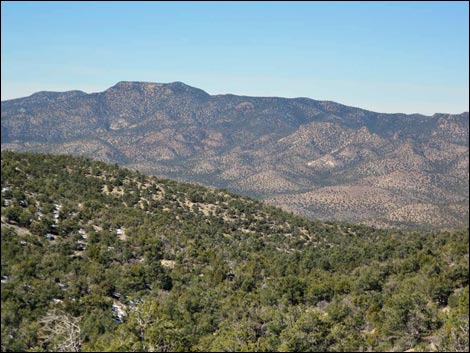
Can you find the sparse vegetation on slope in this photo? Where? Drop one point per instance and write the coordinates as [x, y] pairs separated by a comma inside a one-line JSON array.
[[306, 156], [100, 258]]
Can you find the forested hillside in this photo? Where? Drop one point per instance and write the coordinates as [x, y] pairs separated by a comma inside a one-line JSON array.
[[100, 258]]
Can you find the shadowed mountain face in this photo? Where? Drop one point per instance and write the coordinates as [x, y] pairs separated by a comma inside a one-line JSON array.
[[320, 159]]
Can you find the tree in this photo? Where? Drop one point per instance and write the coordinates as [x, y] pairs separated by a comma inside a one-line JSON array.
[[147, 329], [308, 334], [60, 332]]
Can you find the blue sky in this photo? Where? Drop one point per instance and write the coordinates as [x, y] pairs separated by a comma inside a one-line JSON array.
[[388, 57]]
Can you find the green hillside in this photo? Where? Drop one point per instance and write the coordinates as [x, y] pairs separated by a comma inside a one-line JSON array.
[[100, 258]]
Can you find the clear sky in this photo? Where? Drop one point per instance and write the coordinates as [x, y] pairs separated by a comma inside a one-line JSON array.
[[383, 56]]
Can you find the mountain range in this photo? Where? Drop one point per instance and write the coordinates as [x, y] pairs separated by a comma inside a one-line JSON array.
[[319, 159]]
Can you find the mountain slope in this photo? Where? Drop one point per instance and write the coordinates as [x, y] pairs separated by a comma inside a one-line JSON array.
[[99, 258], [299, 154]]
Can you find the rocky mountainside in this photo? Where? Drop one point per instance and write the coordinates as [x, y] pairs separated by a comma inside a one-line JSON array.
[[319, 159]]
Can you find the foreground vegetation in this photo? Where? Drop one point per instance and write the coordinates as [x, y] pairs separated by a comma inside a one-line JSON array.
[[99, 258]]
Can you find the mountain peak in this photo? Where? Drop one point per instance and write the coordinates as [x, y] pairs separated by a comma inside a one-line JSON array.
[[175, 87], [130, 84]]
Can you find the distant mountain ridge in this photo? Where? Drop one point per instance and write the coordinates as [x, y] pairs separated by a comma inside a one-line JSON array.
[[321, 159]]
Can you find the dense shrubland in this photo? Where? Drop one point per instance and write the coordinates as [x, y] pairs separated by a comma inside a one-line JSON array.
[[99, 258]]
